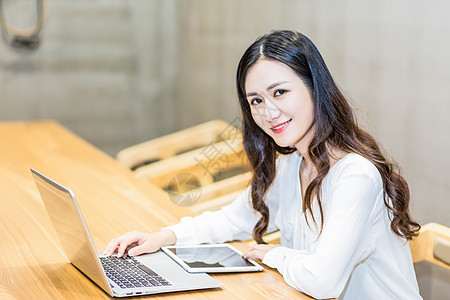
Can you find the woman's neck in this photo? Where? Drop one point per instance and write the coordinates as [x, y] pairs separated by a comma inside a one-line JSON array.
[[302, 146], [333, 155]]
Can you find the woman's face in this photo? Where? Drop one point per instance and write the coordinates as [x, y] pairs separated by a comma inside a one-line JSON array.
[[280, 103]]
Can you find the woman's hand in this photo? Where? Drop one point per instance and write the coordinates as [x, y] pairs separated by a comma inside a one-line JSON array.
[[139, 242], [258, 251]]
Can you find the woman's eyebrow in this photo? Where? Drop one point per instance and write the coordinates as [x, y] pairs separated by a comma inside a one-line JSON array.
[[268, 88], [275, 84]]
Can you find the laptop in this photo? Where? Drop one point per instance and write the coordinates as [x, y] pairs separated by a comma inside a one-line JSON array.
[[119, 277]]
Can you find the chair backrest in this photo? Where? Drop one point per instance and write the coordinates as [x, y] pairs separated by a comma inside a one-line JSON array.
[[432, 244], [206, 163], [215, 171], [203, 167], [175, 143]]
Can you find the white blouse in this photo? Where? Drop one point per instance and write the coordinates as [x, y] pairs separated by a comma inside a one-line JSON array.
[[357, 256]]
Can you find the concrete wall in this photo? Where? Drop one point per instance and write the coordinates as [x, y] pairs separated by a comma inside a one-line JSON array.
[[120, 72], [106, 69]]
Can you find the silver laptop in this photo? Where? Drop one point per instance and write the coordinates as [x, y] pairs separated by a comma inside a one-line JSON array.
[[119, 277]]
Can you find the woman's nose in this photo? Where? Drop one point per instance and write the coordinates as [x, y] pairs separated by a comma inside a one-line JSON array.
[[272, 111]]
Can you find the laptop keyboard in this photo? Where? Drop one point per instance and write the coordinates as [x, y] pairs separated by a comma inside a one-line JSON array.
[[129, 273]]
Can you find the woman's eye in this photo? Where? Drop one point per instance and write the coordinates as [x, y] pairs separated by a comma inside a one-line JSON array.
[[256, 101], [279, 92]]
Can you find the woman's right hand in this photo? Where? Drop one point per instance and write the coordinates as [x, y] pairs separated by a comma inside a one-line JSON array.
[[139, 242]]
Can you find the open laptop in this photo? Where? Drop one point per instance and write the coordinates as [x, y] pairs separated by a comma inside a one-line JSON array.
[[119, 277]]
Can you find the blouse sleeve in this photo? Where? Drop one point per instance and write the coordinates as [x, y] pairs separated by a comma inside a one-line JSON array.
[[232, 222], [345, 240]]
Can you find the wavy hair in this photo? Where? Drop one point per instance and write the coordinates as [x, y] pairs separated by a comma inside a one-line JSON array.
[[335, 127]]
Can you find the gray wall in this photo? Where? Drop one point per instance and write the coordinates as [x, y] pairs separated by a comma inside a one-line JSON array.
[[106, 69], [120, 72]]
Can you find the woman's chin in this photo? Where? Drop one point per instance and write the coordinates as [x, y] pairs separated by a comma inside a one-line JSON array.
[[283, 144]]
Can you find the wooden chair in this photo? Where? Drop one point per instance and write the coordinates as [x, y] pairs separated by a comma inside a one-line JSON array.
[[176, 143], [219, 172], [432, 244], [204, 164], [207, 159]]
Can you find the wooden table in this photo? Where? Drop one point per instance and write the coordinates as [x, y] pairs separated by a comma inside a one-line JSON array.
[[113, 201]]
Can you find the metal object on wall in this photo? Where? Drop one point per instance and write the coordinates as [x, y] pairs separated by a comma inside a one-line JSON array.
[[24, 39]]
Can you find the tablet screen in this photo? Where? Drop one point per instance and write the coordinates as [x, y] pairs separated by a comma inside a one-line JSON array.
[[211, 258]]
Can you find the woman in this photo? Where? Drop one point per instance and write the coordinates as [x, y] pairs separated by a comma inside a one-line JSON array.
[[341, 207]]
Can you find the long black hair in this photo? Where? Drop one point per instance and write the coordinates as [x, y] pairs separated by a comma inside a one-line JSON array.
[[335, 127]]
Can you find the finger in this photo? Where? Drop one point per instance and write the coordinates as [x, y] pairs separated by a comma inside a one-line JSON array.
[[255, 254], [112, 246], [249, 254], [128, 238], [245, 254], [252, 248], [137, 250], [249, 249], [122, 248]]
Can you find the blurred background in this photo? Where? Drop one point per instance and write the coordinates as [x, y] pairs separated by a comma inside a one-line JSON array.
[[120, 72]]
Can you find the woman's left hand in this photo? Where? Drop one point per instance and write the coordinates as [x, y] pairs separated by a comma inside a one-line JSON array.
[[258, 251]]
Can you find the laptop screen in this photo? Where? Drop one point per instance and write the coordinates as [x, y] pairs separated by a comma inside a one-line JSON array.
[[69, 224]]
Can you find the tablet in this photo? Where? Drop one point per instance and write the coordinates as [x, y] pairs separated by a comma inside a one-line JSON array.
[[211, 258]]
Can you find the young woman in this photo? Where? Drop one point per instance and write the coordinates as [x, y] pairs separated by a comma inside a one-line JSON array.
[[340, 206]]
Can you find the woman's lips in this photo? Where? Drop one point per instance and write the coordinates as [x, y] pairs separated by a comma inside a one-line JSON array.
[[280, 127]]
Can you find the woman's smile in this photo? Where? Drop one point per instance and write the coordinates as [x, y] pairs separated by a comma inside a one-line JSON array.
[[280, 127]]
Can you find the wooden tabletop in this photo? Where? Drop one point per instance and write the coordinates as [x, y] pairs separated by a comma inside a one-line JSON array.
[[113, 201]]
